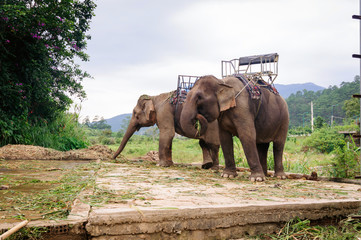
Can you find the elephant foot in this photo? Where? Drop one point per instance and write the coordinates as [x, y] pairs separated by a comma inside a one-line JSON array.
[[207, 165], [257, 177], [165, 163], [215, 167], [281, 175], [229, 173]]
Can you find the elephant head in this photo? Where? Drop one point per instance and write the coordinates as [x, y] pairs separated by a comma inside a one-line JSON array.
[[144, 115], [205, 101]]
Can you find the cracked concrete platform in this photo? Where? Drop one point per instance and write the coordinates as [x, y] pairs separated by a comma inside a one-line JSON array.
[[138, 200], [187, 203]]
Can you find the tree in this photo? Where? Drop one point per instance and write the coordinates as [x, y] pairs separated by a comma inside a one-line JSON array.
[[99, 123], [39, 41], [319, 122], [352, 107], [123, 126], [326, 103]]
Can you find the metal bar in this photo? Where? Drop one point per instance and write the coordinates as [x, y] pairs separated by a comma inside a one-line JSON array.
[[357, 17]]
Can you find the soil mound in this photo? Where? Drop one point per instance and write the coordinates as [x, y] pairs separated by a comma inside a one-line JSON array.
[[151, 156], [29, 152]]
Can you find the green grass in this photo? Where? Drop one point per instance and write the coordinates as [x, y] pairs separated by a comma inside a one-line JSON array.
[[296, 159], [298, 229], [184, 150]]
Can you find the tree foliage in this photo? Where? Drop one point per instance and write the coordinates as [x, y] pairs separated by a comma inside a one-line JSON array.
[[333, 101], [39, 42]]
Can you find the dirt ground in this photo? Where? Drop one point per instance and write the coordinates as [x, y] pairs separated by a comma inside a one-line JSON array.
[[29, 152], [28, 172]]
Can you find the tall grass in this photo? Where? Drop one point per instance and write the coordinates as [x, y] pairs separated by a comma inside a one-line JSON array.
[[64, 133]]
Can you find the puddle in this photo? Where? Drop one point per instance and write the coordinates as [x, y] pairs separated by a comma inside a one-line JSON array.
[[36, 187], [31, 179]]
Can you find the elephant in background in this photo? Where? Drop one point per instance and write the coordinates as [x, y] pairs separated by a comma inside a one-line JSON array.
[[255, 122], [159, 110]]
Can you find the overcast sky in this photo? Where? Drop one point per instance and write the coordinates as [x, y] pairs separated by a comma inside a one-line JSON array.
[[141, 46]]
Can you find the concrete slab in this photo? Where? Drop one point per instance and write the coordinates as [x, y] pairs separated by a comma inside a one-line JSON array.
[[188, 203]]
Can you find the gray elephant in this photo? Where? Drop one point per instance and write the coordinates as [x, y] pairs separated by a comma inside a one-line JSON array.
[[159, 110], [256, 122]]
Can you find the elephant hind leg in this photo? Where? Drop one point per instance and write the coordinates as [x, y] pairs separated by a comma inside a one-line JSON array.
[[262, 149], [214, 149], [278, 155]]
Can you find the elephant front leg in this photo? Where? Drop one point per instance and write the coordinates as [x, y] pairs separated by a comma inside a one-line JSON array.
[[250, 150], [165, 149], [228, 153]]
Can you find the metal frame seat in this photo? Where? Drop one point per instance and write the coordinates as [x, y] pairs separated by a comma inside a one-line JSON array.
[[184, 85], [253, 68]]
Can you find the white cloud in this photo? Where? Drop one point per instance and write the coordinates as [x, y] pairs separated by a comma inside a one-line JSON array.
[[136, 50]]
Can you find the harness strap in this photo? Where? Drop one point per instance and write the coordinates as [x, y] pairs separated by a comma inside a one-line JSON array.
[[242, 89], [259, 102], [259, 106]]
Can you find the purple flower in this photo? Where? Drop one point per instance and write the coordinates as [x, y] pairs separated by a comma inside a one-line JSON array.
[[76, 47], [35, 35], [60, 19], [7, 41]]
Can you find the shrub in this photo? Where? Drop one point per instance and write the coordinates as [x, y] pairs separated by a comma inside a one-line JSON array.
[[64, 133], [345, 163], [325, 140]]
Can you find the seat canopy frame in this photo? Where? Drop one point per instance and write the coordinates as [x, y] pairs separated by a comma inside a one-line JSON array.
[[258, 67], [184, 85]]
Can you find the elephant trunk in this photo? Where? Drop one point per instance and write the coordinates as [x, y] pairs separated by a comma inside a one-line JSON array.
[[193, 124], [204, 124], [132, 127]]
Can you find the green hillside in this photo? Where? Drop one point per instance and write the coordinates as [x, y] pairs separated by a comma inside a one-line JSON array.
[[334, 104]]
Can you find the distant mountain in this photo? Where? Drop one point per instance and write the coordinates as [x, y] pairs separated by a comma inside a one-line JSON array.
[[287, 89], [122, 121], [117, 121]]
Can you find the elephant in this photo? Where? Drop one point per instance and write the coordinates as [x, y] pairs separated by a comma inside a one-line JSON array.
[[159, 110], [256, 122]]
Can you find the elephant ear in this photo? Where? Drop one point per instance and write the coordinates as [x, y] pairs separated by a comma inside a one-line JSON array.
[[226, 97], [148, 108]]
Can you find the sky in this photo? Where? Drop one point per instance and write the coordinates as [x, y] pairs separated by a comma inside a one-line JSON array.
[[141, 46]]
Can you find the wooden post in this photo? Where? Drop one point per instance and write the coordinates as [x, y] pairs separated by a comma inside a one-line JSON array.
[[13, 230], [311, 116]]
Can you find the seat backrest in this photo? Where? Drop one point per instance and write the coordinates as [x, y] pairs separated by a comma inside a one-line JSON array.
[[258, 59]]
